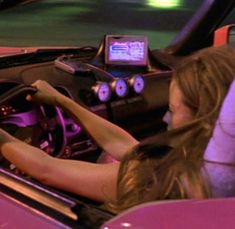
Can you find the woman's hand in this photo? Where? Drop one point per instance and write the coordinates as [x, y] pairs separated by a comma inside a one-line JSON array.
[[5, 137], [46, 93]]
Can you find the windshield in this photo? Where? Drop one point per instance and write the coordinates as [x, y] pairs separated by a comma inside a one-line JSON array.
[[85, 22]]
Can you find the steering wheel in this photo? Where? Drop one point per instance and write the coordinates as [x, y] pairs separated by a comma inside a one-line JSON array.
[[49, 134]]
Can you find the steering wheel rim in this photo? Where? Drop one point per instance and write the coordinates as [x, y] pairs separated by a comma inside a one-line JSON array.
[[51, 122]]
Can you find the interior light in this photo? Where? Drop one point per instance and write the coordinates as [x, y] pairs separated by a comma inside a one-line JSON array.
[[165, 3]]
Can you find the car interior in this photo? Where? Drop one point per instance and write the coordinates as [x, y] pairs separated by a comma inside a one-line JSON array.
[[129, 89]]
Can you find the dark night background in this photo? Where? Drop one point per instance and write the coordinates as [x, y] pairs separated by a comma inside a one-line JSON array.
[[84, 22]]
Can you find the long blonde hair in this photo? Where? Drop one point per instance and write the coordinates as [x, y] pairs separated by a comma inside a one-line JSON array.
[[168, 166]]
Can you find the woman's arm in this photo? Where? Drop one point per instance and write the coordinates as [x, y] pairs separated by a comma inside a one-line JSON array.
[[94, 181], [111, 138]]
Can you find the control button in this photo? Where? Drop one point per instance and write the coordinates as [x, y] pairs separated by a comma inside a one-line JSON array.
[[6, 110]]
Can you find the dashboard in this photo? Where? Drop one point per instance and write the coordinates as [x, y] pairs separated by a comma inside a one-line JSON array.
[[131, 91]]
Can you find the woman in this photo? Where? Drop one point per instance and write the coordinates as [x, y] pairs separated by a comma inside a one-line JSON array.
[[167, 166], [203, 81]]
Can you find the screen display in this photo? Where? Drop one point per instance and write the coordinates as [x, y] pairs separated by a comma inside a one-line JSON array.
[[126, 50]]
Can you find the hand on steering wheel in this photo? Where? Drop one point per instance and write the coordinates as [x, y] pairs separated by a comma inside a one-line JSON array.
[[50, 134]]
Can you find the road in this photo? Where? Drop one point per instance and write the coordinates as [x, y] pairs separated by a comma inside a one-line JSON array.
[[85, 22]]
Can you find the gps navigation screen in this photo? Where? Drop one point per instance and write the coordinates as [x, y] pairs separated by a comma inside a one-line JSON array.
[[126, 50]]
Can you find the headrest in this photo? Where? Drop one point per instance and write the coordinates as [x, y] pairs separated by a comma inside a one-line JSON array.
[[221, 147]]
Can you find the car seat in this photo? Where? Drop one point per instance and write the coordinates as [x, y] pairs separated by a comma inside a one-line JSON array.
[[220, 152]]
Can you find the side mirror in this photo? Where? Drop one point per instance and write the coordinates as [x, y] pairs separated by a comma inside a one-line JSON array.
[[225, 35]]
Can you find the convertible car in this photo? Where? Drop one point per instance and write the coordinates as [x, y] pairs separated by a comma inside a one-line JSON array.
[[122, 80]]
